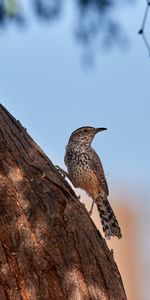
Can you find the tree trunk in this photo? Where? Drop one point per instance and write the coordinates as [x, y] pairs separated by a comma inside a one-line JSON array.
[[49, 247]]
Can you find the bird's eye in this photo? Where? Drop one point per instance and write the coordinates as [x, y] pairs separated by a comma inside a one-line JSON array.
[[85, 130]]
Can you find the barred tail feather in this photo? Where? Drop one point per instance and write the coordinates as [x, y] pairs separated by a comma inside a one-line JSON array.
[[109, 222]]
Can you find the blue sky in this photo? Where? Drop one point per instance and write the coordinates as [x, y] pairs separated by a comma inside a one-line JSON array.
[[45, 85]]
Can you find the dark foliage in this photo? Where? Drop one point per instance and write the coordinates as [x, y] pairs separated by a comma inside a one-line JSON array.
[[94, 21]]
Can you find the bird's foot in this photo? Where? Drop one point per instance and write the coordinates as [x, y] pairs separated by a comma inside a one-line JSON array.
[[90, 211]]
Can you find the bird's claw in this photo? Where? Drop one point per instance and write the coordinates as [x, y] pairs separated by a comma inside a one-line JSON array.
[[90, 212]]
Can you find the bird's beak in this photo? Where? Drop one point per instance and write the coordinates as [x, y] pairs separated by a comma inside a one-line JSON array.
[[100, 129]]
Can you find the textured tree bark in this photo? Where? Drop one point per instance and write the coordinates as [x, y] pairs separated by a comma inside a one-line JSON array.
[[49, 246]]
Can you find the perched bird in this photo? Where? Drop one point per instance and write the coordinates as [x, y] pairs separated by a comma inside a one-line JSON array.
[[86, 172]]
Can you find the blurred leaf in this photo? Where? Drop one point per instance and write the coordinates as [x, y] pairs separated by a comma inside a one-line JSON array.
[[94, 24]]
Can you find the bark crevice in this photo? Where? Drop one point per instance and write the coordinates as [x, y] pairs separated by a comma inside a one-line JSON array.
[[49, 246]]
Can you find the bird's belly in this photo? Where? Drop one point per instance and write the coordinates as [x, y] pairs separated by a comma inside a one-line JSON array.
[[87, 181]]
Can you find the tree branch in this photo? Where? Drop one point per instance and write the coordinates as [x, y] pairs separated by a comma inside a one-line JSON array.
[[49, 246], [143, 27]]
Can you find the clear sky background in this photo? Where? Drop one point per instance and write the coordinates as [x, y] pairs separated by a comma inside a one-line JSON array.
[[45, 84]]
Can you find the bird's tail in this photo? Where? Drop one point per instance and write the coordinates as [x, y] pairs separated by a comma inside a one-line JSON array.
[[109, 222]]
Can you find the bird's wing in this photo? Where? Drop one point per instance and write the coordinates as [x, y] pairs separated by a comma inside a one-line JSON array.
[[99, 171]]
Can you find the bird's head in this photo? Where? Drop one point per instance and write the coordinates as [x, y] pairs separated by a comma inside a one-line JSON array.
[[84, 135]]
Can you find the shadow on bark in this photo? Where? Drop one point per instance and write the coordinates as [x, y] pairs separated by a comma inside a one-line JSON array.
[[49, 246]]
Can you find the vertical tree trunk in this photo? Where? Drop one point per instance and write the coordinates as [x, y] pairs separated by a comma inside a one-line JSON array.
[[49, 246]]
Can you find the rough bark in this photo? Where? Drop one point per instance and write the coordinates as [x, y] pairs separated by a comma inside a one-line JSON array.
[[49, 246]]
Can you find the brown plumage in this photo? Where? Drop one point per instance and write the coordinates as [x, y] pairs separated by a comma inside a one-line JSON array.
[[86, 172]]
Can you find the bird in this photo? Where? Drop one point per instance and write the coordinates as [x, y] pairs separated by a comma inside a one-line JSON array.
[[85, 171]]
